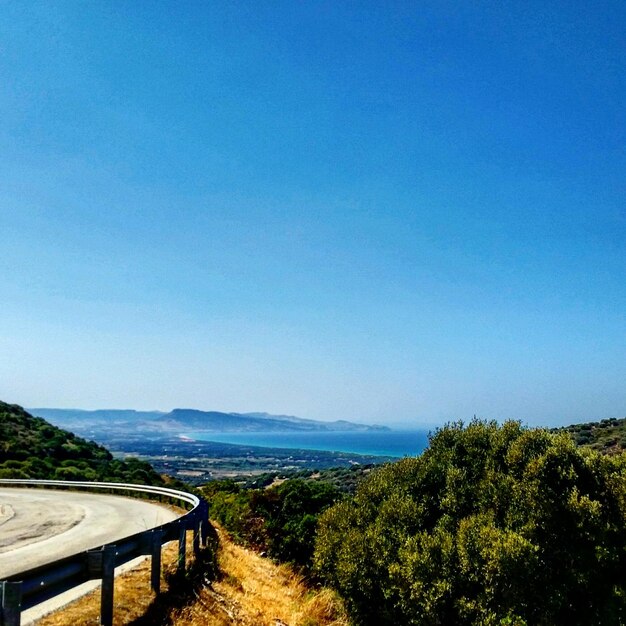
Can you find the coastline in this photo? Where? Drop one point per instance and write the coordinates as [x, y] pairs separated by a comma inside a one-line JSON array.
[[387, 444]]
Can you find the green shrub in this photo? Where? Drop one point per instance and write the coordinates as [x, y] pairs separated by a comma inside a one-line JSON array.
[[290, 511], [30, 447], [491, 525], [281, 520]]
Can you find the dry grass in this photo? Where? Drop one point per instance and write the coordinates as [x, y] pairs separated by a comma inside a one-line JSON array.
[[133, 596], [252, 591]]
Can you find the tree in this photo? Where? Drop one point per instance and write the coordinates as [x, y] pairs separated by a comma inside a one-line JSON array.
[[30, 447], [491, 525], [280, 520], [290, 511]]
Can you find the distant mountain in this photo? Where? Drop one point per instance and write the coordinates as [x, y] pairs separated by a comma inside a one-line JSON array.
[[303, 423], [216, 421], [153, 423], [80, 416]]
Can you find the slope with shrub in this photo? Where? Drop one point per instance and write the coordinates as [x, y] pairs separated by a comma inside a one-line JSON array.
[[280, 520], [31, 447], [491, 525]]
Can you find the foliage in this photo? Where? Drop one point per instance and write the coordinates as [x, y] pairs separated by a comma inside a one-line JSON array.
[[30, 447], [290, 511], [230, 505], [491, 525], [607, 436], [344, 479], [280, 520]]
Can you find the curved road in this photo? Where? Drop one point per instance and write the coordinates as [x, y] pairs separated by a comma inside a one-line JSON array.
[[38, 526]]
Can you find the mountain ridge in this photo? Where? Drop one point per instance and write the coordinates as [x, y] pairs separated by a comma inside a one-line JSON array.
[[180, 419]]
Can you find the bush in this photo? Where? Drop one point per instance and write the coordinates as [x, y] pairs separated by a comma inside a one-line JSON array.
[[281, 520], [491, 525], [290, 511], [30, 447]]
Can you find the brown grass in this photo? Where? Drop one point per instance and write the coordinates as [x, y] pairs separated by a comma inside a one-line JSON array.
[[252, 591], [133, 596]]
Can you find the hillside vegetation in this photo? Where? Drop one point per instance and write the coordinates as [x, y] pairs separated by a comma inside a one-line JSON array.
[[30, 447], [490, 525], [280, 521], [607, 436], [254, 591]]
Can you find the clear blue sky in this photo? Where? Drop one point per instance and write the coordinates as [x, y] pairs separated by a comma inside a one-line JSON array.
[[385, 212]]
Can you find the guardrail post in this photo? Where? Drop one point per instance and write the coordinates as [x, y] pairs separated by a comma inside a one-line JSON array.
[[204, 518], [196, 535], [155, 561], [108, 586], [11, 597], [101, 564], [182, 546]]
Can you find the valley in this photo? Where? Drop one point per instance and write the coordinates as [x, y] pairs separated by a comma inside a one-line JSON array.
[[197, 462]]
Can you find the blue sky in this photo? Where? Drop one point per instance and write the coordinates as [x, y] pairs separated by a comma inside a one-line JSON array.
[[387, 212]]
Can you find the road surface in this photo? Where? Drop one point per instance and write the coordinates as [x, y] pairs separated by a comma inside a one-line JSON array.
[[38, 526]]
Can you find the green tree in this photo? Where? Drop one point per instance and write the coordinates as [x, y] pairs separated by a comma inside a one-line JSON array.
[[290, 511], [280, 520], [30, 447], [491, 525]]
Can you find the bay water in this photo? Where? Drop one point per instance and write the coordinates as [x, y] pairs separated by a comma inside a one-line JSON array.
[[392, 443]]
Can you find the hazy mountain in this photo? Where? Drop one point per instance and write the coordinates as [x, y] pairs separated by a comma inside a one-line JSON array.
[[179, 420], [81, 416], [303, 423], [257, 422]]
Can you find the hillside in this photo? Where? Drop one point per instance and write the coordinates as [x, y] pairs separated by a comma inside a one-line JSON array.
[[31, 447], [250, 591], [607, 436], [256, 591]]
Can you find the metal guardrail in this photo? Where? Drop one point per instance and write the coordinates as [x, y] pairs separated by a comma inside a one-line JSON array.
[[27, 589]]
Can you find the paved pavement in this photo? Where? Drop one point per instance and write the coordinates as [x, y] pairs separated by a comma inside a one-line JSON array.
[[38, 526]]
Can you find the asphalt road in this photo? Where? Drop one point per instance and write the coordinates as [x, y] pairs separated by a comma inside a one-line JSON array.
[[38, 526]]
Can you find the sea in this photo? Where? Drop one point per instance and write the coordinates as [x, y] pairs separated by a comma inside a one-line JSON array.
[[393, 443]]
